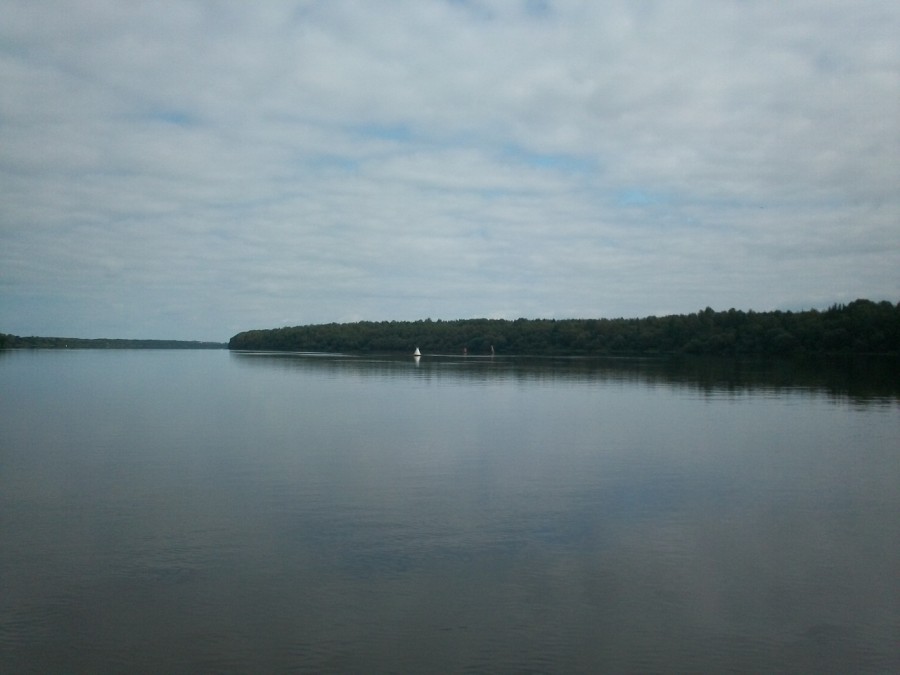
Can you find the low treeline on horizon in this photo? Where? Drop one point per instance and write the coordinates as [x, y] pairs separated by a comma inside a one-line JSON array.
[[33, 342], [860, 327]]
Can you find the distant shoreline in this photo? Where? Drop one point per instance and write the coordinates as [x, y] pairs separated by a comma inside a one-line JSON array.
[[862, 327], [34, 342]]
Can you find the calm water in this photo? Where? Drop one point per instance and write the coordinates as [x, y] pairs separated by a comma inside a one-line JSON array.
[[169, 511]]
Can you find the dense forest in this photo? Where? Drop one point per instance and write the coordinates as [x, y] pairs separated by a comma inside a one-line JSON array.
[[16, 342], [860, 327]]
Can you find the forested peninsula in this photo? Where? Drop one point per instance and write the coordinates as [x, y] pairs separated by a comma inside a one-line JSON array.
[[16, 342], [860, 327]]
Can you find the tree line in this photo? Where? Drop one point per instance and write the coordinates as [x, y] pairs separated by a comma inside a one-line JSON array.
[[33, 342], [860, 327]]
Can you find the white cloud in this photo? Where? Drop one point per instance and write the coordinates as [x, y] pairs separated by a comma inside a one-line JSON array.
[[234, 166]]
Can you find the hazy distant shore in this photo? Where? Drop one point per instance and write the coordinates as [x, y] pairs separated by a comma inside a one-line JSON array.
[[33, 342]]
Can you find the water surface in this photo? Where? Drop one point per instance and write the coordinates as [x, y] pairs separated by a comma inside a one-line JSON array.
[[167, 511]]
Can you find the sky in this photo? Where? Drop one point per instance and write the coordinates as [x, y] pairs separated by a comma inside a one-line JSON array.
[[190, 169]]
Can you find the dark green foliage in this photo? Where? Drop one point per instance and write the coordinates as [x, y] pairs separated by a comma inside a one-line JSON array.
[[861, 327], [16, 342]]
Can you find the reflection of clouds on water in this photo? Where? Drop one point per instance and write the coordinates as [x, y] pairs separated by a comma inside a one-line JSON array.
[[356, 514]]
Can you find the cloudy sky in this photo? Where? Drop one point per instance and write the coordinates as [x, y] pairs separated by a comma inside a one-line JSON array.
[[190, 169]]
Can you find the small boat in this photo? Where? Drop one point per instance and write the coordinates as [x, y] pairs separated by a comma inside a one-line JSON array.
[[417, 352]]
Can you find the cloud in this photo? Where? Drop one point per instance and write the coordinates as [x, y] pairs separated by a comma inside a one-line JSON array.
[[221, 166]]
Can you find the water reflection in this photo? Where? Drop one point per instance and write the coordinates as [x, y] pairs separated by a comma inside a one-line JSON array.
[[860, 380], [216, 512]]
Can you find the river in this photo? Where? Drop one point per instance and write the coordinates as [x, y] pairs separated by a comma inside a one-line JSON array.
[[210, 511]]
